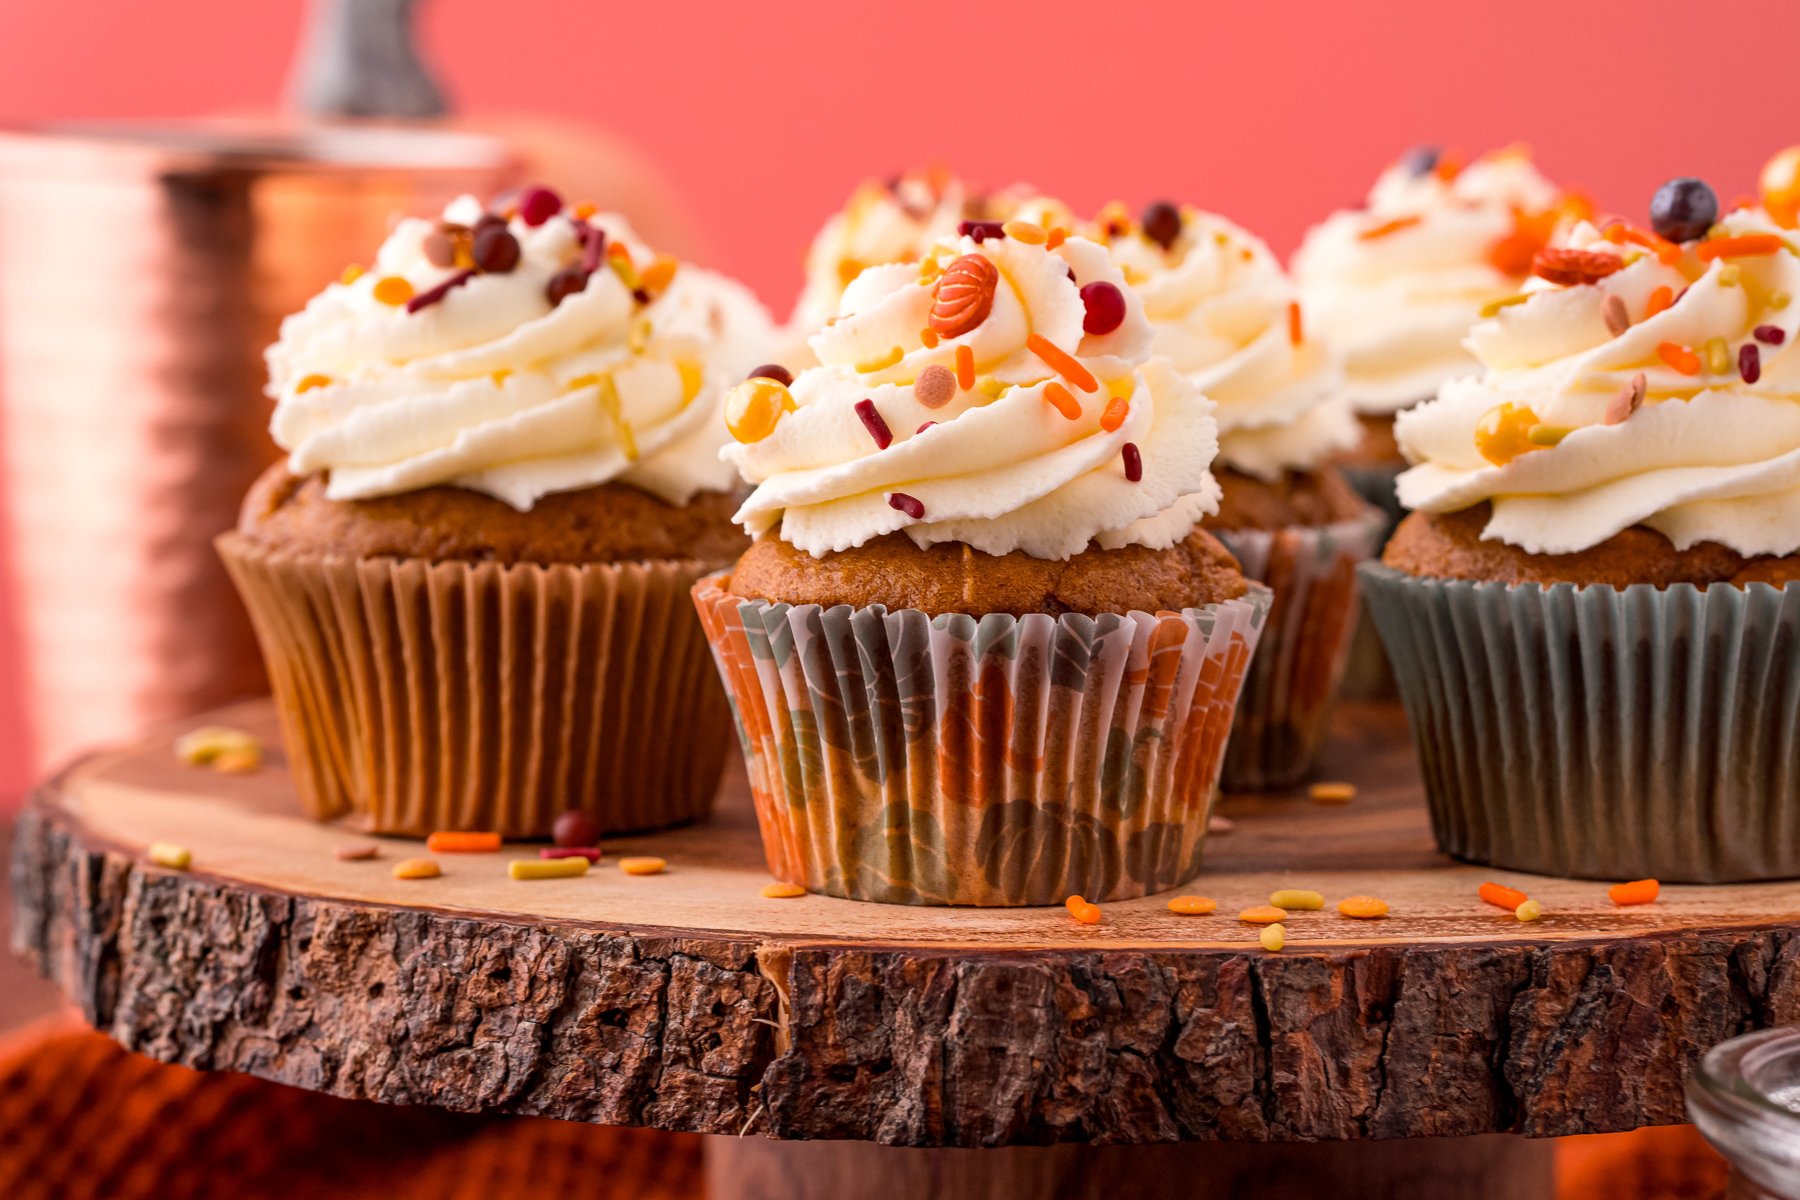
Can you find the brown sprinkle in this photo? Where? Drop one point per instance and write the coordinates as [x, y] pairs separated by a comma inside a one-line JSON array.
[[1617, 319], [1628, 401], [1332, 793], [360, 852]]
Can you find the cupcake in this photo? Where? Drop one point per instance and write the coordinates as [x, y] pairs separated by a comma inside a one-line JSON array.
[[470, 576], [981, 651], [1397, 283], [1590, 611], [1224, 314]]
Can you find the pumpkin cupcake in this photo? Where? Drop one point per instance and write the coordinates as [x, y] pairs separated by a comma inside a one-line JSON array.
[[470, 576], [1397, 283], [981, 652], [1592, 613], [1225, 316]]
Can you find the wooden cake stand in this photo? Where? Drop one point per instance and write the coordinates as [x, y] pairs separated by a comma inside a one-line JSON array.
[[688, 1001]]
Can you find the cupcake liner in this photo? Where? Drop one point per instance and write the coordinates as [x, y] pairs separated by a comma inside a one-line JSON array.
[[911, 759], [420, 696], [1602, 733], [1374, 482], [1285, 709]]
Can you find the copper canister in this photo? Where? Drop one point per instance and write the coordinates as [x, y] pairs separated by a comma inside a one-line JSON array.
[[142, 271]]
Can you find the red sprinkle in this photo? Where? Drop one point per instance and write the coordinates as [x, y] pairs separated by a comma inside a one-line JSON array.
[[1105, 307], [981, 231], [906, 504], [537, 205], [591, 853], [1770, 335], [878, 428], [431, 296], [593, 247], [1750, 362], [923, 428], [1134, 462]]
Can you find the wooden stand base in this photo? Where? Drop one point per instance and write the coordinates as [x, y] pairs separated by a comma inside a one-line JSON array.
[[1492, 1166]]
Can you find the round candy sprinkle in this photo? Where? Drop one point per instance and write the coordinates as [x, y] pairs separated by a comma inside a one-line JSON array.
[[775, 371], [439, 250], [754, 407], [1162, 223], [565, 283], [1105, 307], [495, 249], [981, 231], [1421, 159], [1683, 209], [935, 387], [393, 289], [575, 828], [537, 205], [1780, 186]]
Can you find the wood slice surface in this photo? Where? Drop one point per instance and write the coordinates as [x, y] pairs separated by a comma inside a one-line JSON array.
[[688, 1001]]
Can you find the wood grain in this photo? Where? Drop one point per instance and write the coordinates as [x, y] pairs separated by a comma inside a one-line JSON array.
[[688, 1001]]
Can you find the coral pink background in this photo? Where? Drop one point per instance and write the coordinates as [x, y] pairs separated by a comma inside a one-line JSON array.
[[764, 116]]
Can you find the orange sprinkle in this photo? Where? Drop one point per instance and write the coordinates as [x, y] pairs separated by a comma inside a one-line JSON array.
[[1501, 896], [1659, 301], [312, 381], [1075, 903], [1363, 908], [393, 290], [1739, 247], [965, 368], [1638, 891], [1447, 169], [1193, 906], [783, 891], [584, 210], [928, 338], [1387, 227], [1117, 409], [1679, 357], [1055, 238], [1262, 914], [1062, 362], [1618, 233], [1296, 333], [643, 864], [446, 841], [1059, 399], [1081, 910], [417, 868]]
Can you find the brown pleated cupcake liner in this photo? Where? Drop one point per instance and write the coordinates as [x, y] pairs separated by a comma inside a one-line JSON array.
[[1599, 733], [417, 696], [1285, 710], [911, 759]]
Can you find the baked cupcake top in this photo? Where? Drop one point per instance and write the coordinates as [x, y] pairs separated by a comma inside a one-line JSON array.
[[1227, 317], [516, 355], [999, 393], [1642, 378], [1397, 283]]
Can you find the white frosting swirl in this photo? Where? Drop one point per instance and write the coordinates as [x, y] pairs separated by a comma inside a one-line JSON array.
[[1397, 284], [1710, 457], [1219, 302], [1002, 469], [494, 389]]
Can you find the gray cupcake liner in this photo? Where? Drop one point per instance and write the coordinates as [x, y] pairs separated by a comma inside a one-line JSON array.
[[1600, 733], [1285, 710]]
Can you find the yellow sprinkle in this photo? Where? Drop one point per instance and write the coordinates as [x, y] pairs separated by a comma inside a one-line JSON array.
[[1547, 435], [1297, 898], [990, 387], [620, 259], [1531, 910], [394, 290], [242, 760], [351, 274], [1120, 388], [1492, 308], [1273, 937], [547, 868], [1363, 908], [613, 407], [1729, 274], [783, 891], [639, 336], [643, 865], [1779, 299], [882, 363], [1193, 906], [417, 868], [693, 377], [202, 747], [1718, 358], [1332, 793], [501, 376], [168, 854], [1024, 231], [1262, 914]]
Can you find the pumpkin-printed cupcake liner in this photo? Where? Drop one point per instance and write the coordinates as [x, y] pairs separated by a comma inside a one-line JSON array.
[[416, 696], [1603, 733], [911, 759], [1285, 710]]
